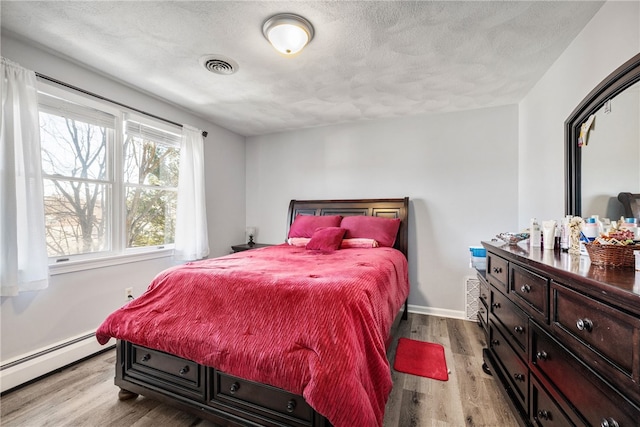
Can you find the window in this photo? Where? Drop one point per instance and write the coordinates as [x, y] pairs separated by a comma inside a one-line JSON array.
[[110, 178], [151, 164]]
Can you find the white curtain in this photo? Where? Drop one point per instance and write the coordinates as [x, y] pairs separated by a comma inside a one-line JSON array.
[[191, 223], [23, 253]]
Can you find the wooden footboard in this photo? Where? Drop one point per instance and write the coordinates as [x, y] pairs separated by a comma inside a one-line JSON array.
[[210, 394]]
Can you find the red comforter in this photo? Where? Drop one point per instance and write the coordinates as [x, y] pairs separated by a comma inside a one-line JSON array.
[[311, 323]]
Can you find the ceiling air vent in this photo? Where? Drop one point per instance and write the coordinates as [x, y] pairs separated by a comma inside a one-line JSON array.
[[219, 64]]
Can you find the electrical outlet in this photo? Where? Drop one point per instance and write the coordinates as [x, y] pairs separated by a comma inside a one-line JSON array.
[[128, 293]]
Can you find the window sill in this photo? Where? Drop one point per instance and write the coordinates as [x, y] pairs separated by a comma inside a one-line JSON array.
[[80, 265]]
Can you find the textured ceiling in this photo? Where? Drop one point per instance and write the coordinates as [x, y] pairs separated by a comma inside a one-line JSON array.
[[368, 60]]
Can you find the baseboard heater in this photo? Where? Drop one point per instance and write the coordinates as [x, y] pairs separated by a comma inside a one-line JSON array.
[[27, 368]]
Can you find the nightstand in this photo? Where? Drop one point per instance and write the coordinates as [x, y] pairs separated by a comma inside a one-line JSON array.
[[246, 246]]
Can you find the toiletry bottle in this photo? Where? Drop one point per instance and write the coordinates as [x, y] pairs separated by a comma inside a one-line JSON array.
[[548, 234], [564, 233], [535, 238], [590, 229], [599, 224], [630, 224]]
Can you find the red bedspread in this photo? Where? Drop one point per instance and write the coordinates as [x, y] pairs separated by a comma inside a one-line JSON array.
[[311, 323]]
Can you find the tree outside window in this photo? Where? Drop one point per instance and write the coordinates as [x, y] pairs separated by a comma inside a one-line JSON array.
[[151, 168]]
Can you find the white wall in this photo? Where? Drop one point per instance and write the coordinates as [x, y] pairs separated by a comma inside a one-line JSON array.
[[76, 303], [611, 38], [459, 170]]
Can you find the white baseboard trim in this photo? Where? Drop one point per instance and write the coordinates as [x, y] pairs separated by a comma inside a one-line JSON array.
[[25, 368], [453, 314]]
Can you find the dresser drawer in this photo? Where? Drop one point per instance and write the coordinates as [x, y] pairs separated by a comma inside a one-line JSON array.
[[278, 404], [483, 306], [603, 329], [512, 319], [515, 369], [544, 409], [497, 271], [483, 317], [484, 292], [531, 291], [165, 368], [593, 399]]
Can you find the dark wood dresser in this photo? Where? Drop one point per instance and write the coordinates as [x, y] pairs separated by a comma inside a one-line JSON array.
[[563, 336]]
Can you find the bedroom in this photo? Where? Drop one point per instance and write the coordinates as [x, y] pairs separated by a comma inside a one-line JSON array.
[[515, 149]]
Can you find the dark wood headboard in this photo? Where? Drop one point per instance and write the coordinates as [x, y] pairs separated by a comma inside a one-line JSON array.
[[388, 208]]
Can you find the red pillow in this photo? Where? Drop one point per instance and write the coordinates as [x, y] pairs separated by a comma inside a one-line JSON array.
[[383, 230], [326, 239], [306, 225]]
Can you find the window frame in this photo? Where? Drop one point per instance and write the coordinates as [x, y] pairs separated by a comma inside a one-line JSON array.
[[118, 253]]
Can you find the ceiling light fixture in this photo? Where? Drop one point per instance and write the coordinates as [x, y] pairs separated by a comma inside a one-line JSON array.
[[288, 33]]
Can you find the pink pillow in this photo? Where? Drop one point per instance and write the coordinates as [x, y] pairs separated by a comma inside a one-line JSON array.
[[326, 239], [306, 225], [383, 230]]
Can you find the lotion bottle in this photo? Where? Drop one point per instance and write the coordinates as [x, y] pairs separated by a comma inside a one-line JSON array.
[[534, 233], [564, 233], [599, 224], [631, 224], [590, 229]]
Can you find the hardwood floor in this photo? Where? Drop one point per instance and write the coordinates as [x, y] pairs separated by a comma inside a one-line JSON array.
[[84, 394]]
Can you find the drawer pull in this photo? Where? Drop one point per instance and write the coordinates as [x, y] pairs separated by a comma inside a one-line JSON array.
[[481, 311], [184, 370], [484, 296], [497, 270], [518, 377], [526, 289], [584, 325], [495, 305], [234, 387], [519, 329], [146, 357], [542, 355], [544, 414], [495, 342], [609, 422], [291, 406]]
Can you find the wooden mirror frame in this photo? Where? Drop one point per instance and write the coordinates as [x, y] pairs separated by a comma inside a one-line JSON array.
[[622, 78]]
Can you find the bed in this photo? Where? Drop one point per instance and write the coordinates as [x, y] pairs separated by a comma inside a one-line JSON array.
[[276, 336]]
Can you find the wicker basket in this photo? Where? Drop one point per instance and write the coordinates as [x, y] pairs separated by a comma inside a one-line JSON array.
[[617, 256]]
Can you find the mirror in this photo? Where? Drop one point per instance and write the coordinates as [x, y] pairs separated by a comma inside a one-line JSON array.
[[608, 160]]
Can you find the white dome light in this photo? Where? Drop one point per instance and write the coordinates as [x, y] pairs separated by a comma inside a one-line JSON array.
[[288, 33]]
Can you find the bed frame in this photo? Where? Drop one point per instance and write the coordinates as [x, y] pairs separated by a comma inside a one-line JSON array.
[[228, 400]]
